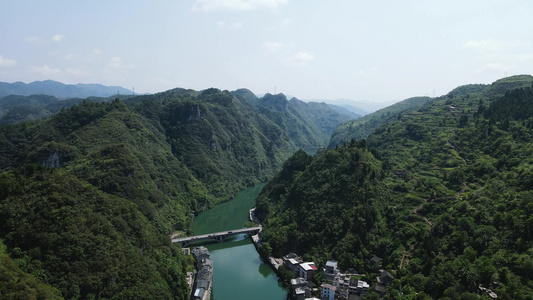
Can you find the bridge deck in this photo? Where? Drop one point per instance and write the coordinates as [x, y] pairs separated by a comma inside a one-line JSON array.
[[216, 234]]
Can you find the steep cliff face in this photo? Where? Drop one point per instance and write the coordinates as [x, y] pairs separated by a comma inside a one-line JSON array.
[[308, 125], [227, 144]]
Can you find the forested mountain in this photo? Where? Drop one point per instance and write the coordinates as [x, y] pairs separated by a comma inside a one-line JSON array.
[[15, 108], [309, 124], [60, 90], [443, 194], [89, 196], [345, 110], [360, 128]]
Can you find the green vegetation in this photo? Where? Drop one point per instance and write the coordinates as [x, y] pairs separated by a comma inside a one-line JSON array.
[[360, 128], [83, 242], [89, 197], [442, 194], [16, 108], [17, 284]]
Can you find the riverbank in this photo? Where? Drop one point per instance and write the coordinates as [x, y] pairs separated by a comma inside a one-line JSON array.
[[274, 263], [241, 274], [203, 281]]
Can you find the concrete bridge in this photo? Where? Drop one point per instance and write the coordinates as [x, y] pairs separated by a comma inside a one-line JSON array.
[[217, 236]]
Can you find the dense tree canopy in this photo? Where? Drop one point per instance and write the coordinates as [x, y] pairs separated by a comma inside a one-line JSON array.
[[89, 197], [443, 194]]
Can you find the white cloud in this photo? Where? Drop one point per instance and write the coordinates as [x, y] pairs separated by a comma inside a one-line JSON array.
[[303, 56], [367, 72], [6, 62], [46, 71], [283, 25], [483, 45], [38, 40], [500, 67], [75, 72], [237, 4], [499, 55], [34, 40], [117, 63], [58, 38], [524, 57], [95, 55], [69, 56], [301, 59], [232, 26], [272, 47]]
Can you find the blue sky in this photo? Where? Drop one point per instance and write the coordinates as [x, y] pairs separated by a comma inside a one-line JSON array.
[[371, 51]]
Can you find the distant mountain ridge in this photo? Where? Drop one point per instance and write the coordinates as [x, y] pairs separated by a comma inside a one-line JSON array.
[[309, 124], [60, 90], [362, 127]]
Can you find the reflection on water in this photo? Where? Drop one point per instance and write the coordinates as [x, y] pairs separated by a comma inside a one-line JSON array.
[[229, 215], [238, 272], [265, 270]]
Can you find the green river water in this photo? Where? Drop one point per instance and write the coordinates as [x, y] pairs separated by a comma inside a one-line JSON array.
[[238, 272]]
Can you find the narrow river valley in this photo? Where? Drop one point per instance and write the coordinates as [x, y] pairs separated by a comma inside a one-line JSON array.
[[238, 272]]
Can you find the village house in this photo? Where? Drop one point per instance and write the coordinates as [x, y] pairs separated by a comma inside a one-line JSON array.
[[302, 293], [327, 291], [330, 270], [385, 278], [301, 288], [298, 282], [292, 262], [307, 270], [375, 261], [199, 253], [347, 286], [204, 275], [358, 287]]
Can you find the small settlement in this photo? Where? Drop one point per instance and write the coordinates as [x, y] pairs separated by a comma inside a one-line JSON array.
[[201, 288], [338, 285]]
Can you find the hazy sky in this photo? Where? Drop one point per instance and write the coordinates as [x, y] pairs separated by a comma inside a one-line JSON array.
[[362, 50]]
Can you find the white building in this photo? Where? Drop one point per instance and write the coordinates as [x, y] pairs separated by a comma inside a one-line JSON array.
[[308, 270], [330, 270]]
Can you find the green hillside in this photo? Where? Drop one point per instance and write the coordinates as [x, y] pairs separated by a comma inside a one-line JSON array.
[[83, 242], [442, 194], [90, 196], [309, 124], [17, 108], [17, 284], [360, 128]]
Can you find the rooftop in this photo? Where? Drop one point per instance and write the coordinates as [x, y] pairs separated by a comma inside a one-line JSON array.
[[331, 264], [308, 266]]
